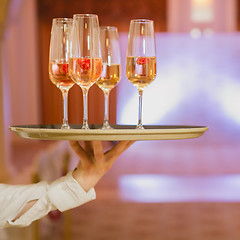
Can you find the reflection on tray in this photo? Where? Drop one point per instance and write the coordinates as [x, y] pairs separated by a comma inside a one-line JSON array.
[[115, 126]]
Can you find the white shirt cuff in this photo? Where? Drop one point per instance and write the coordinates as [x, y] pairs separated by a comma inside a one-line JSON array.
[[66, 193]]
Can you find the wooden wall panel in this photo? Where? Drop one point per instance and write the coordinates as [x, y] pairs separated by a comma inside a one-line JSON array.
[[110, 12], [238, 14]]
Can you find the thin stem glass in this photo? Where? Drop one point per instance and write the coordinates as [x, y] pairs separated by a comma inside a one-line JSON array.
[[85, 64], [111, 70], [106, 124], [65, 124], [141, 58], [59, 61]]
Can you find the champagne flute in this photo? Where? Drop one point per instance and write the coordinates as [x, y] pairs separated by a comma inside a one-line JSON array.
[[85, 64], [111, 71], [58, 60], [141, 58]]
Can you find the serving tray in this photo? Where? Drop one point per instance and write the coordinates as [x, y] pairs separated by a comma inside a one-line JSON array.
[[118, 133]]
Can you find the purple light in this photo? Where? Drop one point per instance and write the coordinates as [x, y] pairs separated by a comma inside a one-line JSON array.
[[175, 188], [197, 83]]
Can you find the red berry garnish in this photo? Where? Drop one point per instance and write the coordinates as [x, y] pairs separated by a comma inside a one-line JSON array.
[[65, 67], [142, 60], [84, 63]]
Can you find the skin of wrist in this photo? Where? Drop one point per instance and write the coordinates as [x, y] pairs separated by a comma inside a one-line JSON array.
[[86, 180]]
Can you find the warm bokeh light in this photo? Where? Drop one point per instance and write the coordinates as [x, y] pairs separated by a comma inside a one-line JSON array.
[[202, 11]]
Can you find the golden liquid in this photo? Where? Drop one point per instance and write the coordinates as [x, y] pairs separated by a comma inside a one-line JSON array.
[[58, 74], [110, 76], [141, 73], [85, 71]]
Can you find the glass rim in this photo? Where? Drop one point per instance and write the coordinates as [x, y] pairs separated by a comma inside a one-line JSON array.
[[142, 20], [108, 27], [82, 15], [62, 20]]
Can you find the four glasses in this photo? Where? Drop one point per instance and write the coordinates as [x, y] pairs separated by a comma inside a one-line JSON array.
[[83, 53], [111, 70], [58, 60], [85, 63], [141, 58]]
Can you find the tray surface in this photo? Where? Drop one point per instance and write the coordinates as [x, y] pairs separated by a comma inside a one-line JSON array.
[[120, 132]]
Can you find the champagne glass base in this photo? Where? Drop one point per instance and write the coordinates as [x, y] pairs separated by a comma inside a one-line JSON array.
[[85, 125], [140, 126], [65, 126], [106, 126]]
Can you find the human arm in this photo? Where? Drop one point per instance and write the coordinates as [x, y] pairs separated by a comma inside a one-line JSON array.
[[22, 204]]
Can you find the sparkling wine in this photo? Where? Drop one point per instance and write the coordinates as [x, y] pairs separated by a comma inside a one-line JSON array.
[[85, 71], [110, 76], [58, 73], [141, 71]]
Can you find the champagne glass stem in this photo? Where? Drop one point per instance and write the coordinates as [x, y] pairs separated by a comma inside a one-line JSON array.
[[106, 124], [85, 108], [65, 109], [140, 126]]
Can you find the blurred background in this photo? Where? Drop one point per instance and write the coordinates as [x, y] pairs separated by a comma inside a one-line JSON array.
[[180, 189]]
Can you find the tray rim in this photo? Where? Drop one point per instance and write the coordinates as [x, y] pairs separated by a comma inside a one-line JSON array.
[[165, 132]]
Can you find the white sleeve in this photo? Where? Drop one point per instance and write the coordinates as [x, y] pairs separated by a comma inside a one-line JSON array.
[[64, 193]]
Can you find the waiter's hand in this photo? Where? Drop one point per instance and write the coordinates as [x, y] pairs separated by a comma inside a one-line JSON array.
[[93, 162]]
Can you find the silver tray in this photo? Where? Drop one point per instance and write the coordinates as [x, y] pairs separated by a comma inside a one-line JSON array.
[[120, 132]]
